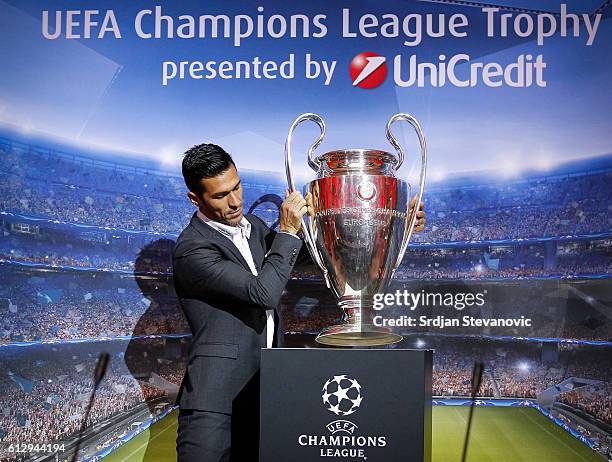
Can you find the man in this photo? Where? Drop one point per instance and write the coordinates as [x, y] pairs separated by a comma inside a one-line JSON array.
[[230, 271]]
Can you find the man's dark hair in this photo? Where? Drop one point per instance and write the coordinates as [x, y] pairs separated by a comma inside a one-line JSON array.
[[204, 161]]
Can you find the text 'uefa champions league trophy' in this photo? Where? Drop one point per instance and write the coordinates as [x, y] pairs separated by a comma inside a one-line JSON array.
[[360, 229]]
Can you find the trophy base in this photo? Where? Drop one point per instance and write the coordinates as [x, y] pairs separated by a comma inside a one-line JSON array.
[[355, 335]]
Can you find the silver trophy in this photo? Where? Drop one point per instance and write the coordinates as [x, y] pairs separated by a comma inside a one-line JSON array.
[[361, 228]]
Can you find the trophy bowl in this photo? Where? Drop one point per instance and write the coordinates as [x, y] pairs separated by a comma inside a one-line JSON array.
[[360, 230]]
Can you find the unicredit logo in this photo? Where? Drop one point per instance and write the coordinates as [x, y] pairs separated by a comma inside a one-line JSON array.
[[368, 70]]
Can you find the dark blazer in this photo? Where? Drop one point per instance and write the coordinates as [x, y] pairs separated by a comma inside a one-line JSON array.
[[225, 304]]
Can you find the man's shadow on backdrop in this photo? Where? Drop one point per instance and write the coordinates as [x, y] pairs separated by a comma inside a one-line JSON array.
[[156, 354]]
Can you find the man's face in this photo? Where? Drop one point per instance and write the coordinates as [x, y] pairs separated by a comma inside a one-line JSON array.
[[221, 199]]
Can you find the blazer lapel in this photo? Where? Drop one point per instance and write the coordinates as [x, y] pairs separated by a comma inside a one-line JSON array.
[[215, 235]]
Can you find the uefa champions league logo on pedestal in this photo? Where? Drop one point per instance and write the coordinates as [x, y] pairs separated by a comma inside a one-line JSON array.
[[342, 395]]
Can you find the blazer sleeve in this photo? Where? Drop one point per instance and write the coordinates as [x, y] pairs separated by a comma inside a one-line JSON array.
[[303, 258], [203, 272]]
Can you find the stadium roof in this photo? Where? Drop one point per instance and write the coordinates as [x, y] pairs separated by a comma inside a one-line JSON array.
[[126, 160]]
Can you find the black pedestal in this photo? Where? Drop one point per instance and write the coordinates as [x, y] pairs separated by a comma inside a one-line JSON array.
[[345, 405]]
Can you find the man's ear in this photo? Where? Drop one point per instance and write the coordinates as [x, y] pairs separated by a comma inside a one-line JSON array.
[[193, 197]]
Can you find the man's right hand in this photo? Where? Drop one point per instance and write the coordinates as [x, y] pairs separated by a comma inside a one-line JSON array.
[[292, 210]]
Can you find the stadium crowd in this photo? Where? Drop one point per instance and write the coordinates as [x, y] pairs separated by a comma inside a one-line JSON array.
[[549, 206], [427, 268], [564, 260], [559, 272], [596, 401], [80, 255], [41, 183], [39, 314], [84, 305], [44, 400], [80, 190]]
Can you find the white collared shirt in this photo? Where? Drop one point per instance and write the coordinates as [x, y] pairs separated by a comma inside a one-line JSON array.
[[239, 235]]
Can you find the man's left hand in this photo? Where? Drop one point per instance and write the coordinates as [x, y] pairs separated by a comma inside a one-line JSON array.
[[309, 205], [419, 225]]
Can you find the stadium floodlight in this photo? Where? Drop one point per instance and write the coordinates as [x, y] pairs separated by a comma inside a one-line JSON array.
[[523, 366], [169, 155], [511, 166], [544, 162], [437, 175]]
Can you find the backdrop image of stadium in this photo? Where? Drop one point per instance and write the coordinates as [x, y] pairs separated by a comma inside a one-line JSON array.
[[63, 275], [513, 268]]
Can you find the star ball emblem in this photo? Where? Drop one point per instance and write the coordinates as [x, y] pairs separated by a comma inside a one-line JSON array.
[[342, 395], [366, 191]]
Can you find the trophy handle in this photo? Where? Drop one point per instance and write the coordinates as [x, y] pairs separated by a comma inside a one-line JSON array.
[[309, 237], [314, 163], [400, 153]]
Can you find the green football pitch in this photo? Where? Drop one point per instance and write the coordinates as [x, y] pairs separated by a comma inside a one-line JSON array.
[[511, 434]]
